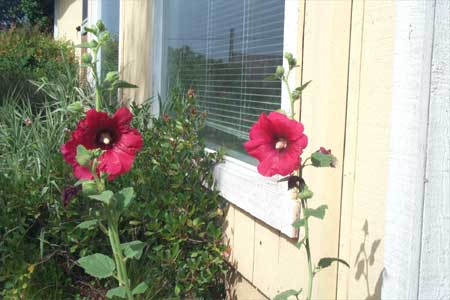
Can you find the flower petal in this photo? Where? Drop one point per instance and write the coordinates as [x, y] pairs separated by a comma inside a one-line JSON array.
[[69, 151], [285, 127], [259, 149], [130, 141], [81, 172], [262, 129], [122, 118]]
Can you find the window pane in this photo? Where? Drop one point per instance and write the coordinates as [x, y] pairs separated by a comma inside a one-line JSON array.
[[225, 49]]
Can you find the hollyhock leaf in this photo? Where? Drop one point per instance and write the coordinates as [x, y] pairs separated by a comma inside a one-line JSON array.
[[272, 77], [83, 156], [112, 76], [119, 292], [83, 45], [122, 84], [104, 197], [133, 249], [286, 294], [140, 288], [305, 192], [316, 212], [298, 223], [319, 159], [124, 197], [326, 262], [87, 224], [98, 265]]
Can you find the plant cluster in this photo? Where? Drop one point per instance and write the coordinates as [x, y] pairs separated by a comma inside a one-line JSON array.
[[48, 228], [29, 54]]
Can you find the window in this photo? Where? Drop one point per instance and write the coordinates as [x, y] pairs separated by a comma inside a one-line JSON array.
[[224, 50]]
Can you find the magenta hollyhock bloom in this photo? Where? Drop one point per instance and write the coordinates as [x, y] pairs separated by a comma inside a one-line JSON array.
[[113, 134], [277, 143]]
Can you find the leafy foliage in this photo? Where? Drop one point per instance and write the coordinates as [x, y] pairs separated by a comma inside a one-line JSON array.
[[175, 216], [29, 54]]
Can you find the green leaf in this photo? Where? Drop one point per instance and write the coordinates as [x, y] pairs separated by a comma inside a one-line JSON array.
[[326, 262], [104, 197], [133, 249], [272, 77], [140, 288], [87, 224], [112, 76], [316, 212], [83, 156], [120, 292], [90, 29], [286, 294], [320, 160], [83, 45], [89, 187], [97, 265], [122, 84], [300, 243], [177, 289], [305, 192], [124, 197], [298, 223]]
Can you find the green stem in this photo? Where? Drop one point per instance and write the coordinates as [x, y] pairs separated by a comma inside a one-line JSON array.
[[98, 95], [308, 254], [113, 234], [285, 80]]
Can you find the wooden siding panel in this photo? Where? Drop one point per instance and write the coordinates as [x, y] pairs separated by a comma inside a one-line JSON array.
[[434, 280], [325, 62], [367, 143]]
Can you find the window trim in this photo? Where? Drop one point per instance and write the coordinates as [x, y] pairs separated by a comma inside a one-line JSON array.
[[239, 182]]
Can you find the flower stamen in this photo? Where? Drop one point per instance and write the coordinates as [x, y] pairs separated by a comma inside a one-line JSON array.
[[105, 138], [281, 144]]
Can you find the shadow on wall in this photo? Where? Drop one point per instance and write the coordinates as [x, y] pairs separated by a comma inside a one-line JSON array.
[[362, 263]]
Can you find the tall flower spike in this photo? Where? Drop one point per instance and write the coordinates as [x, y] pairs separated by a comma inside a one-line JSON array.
[[277, 143], [113, 134]]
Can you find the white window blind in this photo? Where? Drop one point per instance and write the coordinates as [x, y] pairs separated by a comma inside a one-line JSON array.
[[225, 49]]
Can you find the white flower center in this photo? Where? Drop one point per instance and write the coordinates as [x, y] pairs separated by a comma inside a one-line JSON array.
[[105, 138], [281, 144]]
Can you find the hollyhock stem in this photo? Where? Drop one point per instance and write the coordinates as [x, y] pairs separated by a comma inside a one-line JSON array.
[[113, 234], [308, 254], [98, 95]]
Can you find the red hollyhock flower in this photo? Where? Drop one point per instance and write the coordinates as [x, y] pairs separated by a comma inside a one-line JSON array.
[[277, 143], [112, 134]]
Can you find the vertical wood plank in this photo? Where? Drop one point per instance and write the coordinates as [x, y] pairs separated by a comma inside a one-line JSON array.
[[434, 280], [411, 90], [266, 258], [325, 62], [366, 149], [244, 243]]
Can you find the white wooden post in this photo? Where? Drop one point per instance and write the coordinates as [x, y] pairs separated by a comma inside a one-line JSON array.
[[417, 239]]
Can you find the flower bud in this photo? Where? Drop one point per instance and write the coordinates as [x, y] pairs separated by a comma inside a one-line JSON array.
[[279, 71], [100, 26], [75, 107], [89, 187], [86, 58]]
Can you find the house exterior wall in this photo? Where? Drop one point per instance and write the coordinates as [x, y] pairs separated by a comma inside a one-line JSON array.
[[347, 49], [68, 15]]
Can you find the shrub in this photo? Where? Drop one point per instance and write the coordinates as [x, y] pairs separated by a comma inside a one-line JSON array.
[[28, 54], [175, 214]]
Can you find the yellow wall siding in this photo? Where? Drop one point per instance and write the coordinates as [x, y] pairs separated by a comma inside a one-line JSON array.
[[135, 50], [367, 148], [68, 16]]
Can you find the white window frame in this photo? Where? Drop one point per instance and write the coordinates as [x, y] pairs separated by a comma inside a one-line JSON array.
[[239, 182]]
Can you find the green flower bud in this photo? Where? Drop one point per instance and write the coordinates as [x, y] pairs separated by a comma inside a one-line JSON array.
[[86, 58], [104, 37], [288, 56], [89, 187], [279, 71], [75, 107], [101, 26]]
